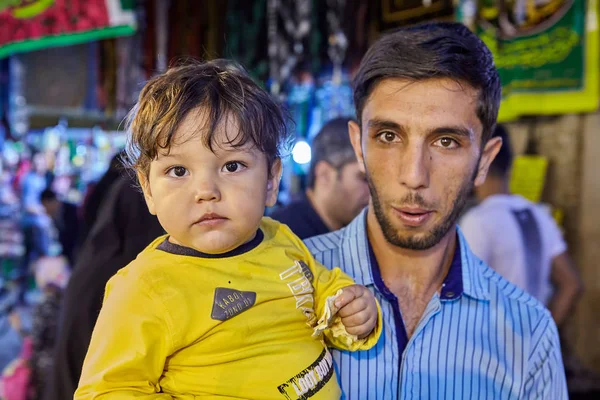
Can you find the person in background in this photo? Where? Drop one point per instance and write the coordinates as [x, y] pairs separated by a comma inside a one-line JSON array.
[[11, 237], [97, 193], [520, 240], [39, 240], [51, 277], [34, 182], [123, 228], [66, 220], [11, 337], [337, 189]]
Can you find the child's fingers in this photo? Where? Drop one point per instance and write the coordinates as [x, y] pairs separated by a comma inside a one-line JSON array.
[[354, 307], [356, 319], [363, 330], [349, 293]]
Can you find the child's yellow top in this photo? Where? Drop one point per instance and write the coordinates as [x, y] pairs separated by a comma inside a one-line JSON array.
[[176, 323]]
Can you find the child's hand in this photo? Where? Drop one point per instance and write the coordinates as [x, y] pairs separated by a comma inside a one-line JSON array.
[[358, 310]]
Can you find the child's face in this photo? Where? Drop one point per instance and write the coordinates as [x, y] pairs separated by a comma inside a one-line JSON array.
[[211, 202]]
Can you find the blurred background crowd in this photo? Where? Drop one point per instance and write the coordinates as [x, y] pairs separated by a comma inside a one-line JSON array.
[[70, 216]]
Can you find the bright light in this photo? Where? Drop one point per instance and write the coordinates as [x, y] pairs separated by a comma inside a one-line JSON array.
[[301, 152]]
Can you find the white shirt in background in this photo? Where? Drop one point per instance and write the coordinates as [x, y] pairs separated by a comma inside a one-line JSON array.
[[518, 239]]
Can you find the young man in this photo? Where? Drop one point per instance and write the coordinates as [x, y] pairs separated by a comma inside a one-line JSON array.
[[520, 240], [427, 99], [337, 190], [65, 217]]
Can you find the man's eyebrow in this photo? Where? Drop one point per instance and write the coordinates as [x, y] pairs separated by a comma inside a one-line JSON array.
[[453, 130], [383, 124]]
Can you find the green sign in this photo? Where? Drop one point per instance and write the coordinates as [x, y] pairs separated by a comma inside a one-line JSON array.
[[546, 52]]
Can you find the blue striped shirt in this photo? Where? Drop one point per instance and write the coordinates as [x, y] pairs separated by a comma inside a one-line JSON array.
[[487, 340]]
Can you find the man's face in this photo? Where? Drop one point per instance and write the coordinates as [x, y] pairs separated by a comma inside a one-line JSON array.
[[39, 163], [349, 193], [52, 207], [420, 148]]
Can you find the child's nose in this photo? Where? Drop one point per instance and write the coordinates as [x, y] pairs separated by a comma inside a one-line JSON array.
[[207, 191]]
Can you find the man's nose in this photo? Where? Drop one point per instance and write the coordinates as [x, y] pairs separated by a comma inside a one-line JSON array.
[[415, 165]]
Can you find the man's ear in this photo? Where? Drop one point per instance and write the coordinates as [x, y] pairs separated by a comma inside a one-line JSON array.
[[325, 174], [490, 150], [273, 183], [145, 185], [356, 140]]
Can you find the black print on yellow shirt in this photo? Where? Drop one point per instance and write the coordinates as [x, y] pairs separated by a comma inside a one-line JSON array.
[[230, 302], [306, 271], [309, 381]]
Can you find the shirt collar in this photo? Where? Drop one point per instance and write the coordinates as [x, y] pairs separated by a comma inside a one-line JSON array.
[[465, 274]]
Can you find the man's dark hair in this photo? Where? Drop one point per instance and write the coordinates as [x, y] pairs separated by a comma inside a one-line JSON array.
[[332, 145], [48, 195], [504, 159], [221, 89], [435, 50]]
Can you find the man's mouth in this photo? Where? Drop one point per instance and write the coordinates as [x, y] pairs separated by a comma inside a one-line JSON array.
[[413, 216]]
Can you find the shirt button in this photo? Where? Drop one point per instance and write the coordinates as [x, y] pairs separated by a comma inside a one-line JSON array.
[[450, 294]]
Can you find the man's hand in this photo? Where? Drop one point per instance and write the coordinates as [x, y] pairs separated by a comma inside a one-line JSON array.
[[358, 310]]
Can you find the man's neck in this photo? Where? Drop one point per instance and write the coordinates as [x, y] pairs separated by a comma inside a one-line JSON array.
[[319, 206], [418, 273], [492, 186]]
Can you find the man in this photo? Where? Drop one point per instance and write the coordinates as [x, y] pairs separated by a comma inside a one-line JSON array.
[[97, 192], [521, 241], [337, 190], [66, 220], [427, 99], [34, 182], [124, 227]]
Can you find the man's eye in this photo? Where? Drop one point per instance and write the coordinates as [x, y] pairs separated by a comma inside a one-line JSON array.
[[233, 166], [446, 143], [177, 172], [388, 137]]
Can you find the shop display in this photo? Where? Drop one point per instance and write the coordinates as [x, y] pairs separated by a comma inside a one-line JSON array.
[[546, 53], [27, 25]]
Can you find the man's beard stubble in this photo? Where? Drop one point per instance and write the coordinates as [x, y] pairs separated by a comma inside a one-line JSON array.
[[436, 234]]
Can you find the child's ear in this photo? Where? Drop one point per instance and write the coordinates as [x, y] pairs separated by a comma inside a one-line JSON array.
[[273, 183], [145, 185]]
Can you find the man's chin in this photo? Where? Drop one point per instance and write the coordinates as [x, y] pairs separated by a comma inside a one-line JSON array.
[[415, 238], [415, 242]]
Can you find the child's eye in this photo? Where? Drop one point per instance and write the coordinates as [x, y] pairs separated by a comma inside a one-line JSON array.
[[177, 172], [233, 166]]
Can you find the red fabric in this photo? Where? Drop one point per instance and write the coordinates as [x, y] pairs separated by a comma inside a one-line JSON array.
[[17, 376], [62, 17]]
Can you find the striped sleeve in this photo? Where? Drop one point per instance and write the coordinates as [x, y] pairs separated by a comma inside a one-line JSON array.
[[546, 375]]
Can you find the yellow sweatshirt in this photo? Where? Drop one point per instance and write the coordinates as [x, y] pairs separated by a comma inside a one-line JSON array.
[[179, 324]]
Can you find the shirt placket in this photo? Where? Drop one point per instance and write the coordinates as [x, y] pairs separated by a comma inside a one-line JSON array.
[[432, 309]]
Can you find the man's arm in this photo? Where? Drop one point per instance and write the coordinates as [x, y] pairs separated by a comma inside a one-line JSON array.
[[545, 373], [567, 287]]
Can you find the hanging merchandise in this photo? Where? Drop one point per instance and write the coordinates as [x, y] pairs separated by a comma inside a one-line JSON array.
[[546, 52], [246, 36], [333, 99], [289, 25], [338, 42], [27, 25], [130, 72]]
